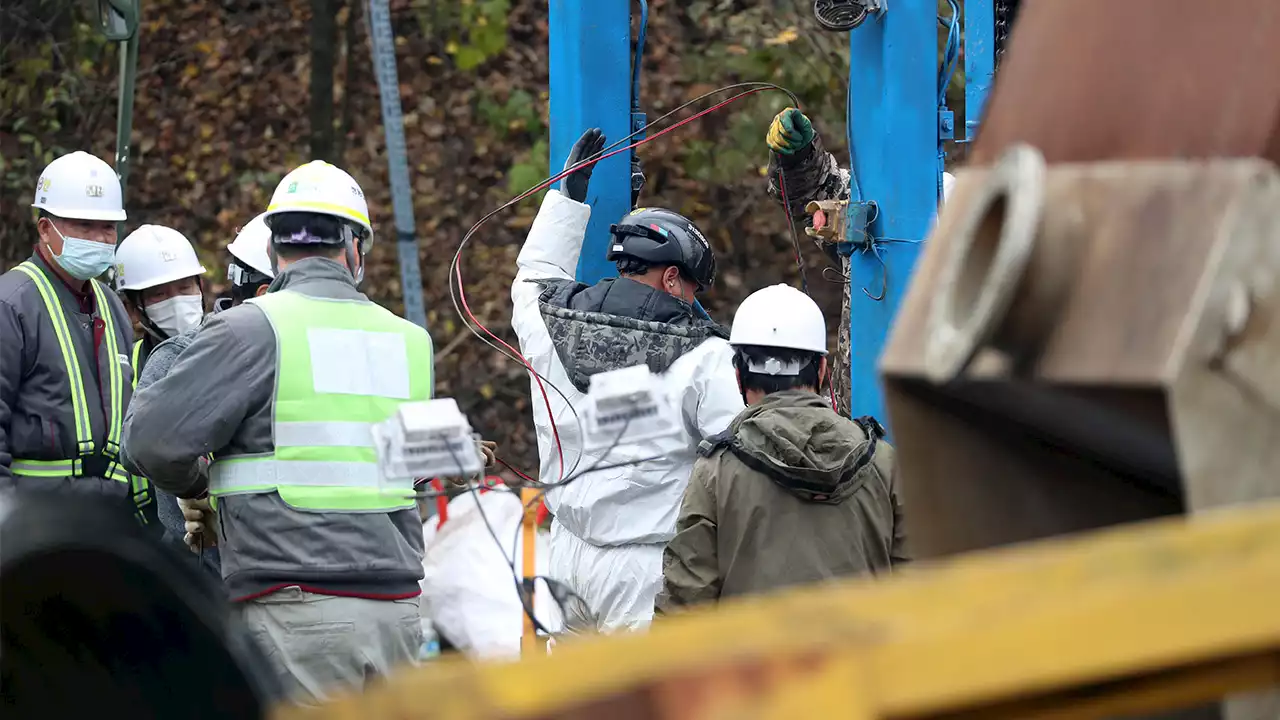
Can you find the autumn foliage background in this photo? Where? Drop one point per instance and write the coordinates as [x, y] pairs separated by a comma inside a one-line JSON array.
[[232, 94]]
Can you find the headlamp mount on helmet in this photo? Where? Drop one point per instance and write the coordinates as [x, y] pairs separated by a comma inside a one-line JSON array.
[[242, 275]]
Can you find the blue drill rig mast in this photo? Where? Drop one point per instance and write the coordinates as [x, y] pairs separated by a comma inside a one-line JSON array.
[[897, 118]]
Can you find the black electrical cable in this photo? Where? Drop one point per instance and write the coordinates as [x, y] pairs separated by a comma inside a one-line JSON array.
[[791, 227], [559, 591], [553, 585]]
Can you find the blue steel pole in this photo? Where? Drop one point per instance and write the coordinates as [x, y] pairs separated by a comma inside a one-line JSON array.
[[893, 114], [591, 87], [979, 61]]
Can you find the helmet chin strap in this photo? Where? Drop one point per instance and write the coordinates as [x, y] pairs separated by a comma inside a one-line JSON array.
[[145, 320]]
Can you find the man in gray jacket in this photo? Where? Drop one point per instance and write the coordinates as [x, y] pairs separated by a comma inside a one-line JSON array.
[[249, 274], [283, 390], [64, 344]]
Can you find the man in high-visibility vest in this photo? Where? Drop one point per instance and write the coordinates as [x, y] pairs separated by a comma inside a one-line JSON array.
[[283, 390], [65, 374]]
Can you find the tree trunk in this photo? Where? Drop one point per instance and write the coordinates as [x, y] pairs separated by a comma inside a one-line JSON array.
[[324, 41], [352, 34]]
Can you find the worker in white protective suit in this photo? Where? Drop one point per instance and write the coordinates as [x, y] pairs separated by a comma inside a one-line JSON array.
[[610, 525], [469, 594]]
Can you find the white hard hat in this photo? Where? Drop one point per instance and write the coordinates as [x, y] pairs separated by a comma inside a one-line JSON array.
[[250, 246], [80, 186], [319, 187], [780, 316], [154, 255]]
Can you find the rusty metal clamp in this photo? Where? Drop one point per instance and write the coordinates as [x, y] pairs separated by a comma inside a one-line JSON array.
[[840, 223]]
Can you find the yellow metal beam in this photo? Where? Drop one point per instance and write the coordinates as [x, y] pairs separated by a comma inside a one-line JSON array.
[[1137, 619], [529, 642]]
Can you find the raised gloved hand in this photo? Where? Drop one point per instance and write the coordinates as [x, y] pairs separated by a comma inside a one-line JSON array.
[[201, 523], [575, 184], [790, 132]]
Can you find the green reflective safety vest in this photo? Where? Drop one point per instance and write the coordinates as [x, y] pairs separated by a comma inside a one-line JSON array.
[[135, 362], [342, 366], [141, 487], [85, 445]]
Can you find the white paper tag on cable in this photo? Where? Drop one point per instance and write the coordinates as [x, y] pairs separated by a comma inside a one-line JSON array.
[[427, 439], [628, 406]]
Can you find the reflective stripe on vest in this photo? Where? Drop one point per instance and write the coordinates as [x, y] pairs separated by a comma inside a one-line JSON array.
[[45, 468], [79, 405], [133, 362], [341, 367], [141, 487]]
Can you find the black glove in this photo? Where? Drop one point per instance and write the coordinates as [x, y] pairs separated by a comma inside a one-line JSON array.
[[575, 184]]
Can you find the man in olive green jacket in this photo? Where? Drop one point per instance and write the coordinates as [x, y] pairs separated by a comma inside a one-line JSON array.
[[792, 493]]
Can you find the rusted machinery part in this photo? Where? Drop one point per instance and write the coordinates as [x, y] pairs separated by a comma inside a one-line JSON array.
[[1129, 377], [1137, 619], [830, 221], [1139, 79], [1132, 376], [987, 267], [98, 618]]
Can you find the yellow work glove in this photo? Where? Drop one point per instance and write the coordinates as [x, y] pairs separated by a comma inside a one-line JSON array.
[[201, 523], [790, 132]]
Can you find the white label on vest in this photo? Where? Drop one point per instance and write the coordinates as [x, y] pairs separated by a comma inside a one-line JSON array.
[[359, 362]]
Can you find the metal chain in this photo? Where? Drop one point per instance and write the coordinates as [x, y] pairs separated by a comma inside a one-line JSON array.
[[1006, 11]]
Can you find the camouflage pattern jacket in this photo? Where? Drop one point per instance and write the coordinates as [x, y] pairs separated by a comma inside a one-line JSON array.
[[570, 332]]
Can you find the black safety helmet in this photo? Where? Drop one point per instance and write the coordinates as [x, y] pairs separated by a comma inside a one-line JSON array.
[[662, 237]]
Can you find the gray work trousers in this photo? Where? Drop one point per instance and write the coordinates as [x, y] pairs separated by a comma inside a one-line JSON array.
[[321, 645]]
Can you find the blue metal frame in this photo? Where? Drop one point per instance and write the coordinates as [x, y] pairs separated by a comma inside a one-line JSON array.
[[893, 112], [979, 61], [591, 87]]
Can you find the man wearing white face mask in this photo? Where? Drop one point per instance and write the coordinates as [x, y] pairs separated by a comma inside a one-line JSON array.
[[158, 274], [249, 274], [65, 375]]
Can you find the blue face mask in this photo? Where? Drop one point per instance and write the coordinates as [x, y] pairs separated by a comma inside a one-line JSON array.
[[83, 259]]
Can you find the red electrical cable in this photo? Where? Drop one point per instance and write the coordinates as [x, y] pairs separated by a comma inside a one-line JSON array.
[[462, 295], [791, 227]]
